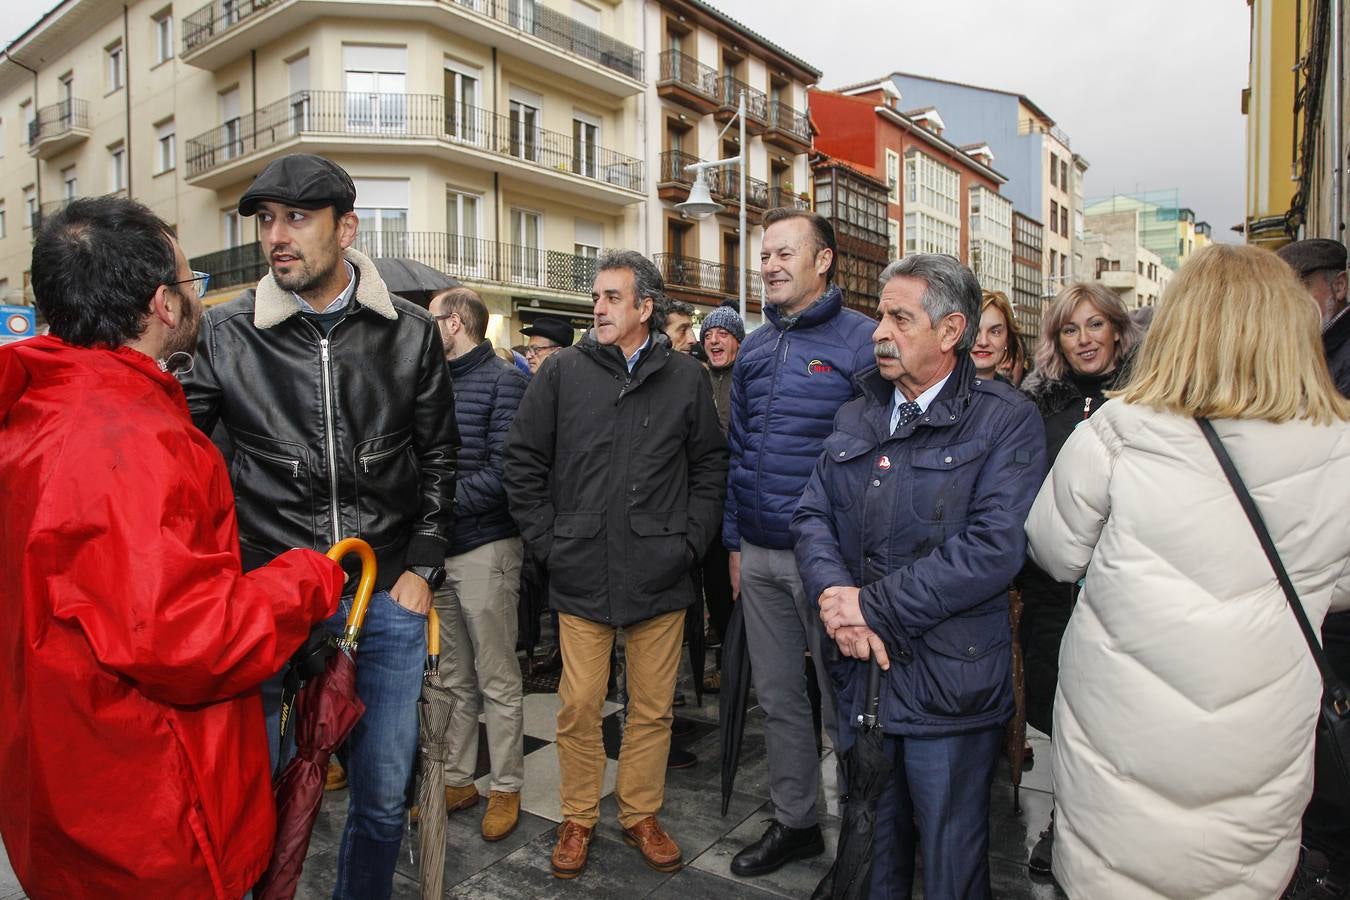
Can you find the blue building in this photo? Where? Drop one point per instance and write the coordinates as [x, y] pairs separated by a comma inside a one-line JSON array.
[[1044, 175]]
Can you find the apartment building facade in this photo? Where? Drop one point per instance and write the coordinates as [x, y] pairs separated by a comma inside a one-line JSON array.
[[941, 198], [1122, 258], [704, 62], [1028, 295], [497, 142], [855, 204], [1044, 177]]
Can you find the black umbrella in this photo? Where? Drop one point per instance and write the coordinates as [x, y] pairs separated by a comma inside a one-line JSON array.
[[868, 770], [734, 698], [697, 638], [413, 280]]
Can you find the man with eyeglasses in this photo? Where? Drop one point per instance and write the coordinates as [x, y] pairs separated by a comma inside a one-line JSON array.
[[133, 644], [547, 334], [337, 400]]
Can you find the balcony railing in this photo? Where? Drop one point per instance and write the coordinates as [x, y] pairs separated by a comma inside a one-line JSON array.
[[525, 16], [704, 275], [672, 166], [402, 116], [725, 183], [684, 70], [756, 101], [787, 120], [779, 197], [466, 258], [57, 119]]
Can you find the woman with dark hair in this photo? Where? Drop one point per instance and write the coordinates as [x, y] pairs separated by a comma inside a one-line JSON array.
[[1087, 340]]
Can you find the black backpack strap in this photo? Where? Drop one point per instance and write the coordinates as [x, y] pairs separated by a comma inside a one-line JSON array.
[[1333, 685]]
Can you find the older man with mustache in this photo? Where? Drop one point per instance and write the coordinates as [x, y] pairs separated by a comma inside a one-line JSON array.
[[907, 537]]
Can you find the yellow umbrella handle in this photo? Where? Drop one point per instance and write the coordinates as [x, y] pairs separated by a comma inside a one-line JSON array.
[[364, 588]]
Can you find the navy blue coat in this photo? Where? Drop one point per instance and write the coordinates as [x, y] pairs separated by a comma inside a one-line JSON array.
[[487, 395], [928, 523], [788, 382]]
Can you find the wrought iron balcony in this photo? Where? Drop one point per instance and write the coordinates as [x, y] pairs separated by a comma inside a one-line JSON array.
[[788, 128], [526, 17], [779, 197], [58, 127], [466, 258], [756, 103], [399, 117], [684, 79], [702, 276]]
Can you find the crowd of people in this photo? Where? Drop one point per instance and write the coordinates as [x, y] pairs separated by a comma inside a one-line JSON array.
[[870, 491]]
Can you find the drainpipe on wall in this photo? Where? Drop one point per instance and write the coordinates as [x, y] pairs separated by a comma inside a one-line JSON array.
[[1337, 140], [37, 163], [126, 89], [497, 206]]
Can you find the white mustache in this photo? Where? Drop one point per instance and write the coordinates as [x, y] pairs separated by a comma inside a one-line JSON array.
[[886, 350]]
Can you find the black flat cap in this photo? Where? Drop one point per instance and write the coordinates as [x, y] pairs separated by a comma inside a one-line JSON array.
[[1313, 255], [555, 328], [301, 180]]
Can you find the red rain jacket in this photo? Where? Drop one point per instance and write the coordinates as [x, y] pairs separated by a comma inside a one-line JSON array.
[[133, 757]]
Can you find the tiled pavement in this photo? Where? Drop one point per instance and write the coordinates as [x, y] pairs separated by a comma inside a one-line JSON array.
[[518, 867]]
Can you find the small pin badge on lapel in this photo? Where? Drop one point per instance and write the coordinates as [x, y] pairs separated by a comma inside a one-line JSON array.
[[884, 462]]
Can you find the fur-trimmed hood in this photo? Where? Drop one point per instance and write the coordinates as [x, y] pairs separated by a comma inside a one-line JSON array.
[[1053, 396], [273, 304]]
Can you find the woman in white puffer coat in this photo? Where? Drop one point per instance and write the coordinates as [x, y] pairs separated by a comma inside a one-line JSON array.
[[1182, 755]]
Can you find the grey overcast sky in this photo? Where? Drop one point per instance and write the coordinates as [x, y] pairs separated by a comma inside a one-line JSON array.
[[1148, 90]]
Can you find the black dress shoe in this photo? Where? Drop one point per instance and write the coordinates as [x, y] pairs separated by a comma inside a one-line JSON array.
[[680, 759], [680, 726], [779, 845]]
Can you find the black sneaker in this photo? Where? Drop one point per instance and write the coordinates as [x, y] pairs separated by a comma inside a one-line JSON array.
[[1042, 855]]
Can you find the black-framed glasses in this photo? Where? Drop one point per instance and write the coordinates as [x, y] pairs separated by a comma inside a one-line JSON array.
[[443, 316], [201, 279], [535, 351]]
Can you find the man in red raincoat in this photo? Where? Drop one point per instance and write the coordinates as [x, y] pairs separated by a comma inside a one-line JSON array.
[[132, 750]]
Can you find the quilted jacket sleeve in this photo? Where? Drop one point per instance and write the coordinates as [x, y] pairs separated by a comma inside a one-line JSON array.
[[978, 561], [529, 459], [155, 585], [731, 529], [1067, 518], [816, 540], [481, 491]]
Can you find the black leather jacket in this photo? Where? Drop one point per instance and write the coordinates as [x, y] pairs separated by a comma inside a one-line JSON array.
[[349, 435]]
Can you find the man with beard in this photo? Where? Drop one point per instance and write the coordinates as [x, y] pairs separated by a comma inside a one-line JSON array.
[[680, 326], [131, 743], [337, 400]]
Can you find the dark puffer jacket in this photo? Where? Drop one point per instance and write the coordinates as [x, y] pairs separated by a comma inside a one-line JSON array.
[[616, 479], [487, 395], [1047, 603], [789, 380], [928, 523]]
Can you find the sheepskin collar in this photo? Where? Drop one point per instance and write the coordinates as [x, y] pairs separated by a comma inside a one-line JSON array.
[[273, 304]]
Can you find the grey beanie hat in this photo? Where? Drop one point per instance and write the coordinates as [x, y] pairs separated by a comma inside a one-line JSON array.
[[727, 318]]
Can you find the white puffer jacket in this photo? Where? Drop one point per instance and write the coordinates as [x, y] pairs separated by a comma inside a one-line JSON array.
[[1187, 695]]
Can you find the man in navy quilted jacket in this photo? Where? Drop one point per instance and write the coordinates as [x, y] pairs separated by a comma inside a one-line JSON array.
[[477, 603], [791, 376]]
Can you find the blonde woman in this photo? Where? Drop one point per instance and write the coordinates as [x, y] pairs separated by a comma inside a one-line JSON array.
[[997, 352], [1187, 695]]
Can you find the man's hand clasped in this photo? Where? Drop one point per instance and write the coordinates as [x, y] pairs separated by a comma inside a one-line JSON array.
[[842, 615]]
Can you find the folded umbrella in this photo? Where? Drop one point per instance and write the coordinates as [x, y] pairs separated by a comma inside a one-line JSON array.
[[326, 712], [1016, 735], [868, 772], [734, 698], [697, 638], [434, 709]]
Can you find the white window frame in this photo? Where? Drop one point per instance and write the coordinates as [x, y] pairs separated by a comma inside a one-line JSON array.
[[166, 149], [70, 183], [379, 203], [30, 206], [585, 147], [232, 228], [526, 257], [163, 23], [379, 100], [463, 117], [4, 229], [464, 252], [115, 62], [893, 175], [117, 167], [526, 113]]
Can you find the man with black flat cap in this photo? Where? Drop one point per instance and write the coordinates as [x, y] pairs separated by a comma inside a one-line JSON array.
[[547, 334], [337, 400]]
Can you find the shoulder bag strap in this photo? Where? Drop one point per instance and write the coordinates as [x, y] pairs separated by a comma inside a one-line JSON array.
[[1230, 471]]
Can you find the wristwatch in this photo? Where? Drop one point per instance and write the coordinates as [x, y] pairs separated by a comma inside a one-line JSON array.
[[434, 576]]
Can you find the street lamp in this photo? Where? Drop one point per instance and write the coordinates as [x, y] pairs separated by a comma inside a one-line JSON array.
[[701, 205]]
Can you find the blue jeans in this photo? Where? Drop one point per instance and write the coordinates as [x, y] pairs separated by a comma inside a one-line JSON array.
[[381, 750]]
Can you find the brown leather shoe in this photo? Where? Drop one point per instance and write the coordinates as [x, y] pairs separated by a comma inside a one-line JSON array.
[[573, 847], [335, 779], [656, 847], [503, 812], [457, 798]]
